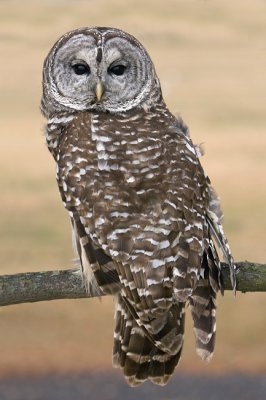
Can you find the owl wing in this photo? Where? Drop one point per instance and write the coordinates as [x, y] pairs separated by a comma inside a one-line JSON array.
[[155, 249], [98, 270]]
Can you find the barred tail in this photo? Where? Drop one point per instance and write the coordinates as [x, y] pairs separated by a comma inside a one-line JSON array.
[[203, 305], [204, 320], [136, 353]]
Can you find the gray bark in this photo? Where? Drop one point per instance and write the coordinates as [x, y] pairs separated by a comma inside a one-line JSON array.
[[67, 284]]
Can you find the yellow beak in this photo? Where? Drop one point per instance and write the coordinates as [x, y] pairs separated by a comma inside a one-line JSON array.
[[99, 91]]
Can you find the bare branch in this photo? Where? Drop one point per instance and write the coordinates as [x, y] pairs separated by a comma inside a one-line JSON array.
[[41, 286], [250, 277], [68, 284]]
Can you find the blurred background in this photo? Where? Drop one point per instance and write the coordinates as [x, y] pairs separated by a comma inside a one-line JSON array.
[[210, 56]]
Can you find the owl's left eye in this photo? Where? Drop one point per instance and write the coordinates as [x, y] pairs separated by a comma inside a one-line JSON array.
[[117, 70], [81, 69]]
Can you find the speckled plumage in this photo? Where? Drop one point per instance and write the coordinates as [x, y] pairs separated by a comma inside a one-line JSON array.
[[143, 211]]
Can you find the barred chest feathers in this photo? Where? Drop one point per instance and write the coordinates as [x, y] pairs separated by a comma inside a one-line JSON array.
[[117, 158]]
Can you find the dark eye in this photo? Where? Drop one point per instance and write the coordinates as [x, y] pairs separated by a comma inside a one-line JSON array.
[[81, 69], [117, 69]]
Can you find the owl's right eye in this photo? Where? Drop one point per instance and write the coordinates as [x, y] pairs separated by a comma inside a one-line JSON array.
[[81, 69]]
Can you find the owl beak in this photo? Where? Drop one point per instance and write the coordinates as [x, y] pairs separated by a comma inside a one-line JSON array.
[[99, 90]]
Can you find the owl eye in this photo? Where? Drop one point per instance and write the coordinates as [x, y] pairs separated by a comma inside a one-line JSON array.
[[117, 69], [81, 69]]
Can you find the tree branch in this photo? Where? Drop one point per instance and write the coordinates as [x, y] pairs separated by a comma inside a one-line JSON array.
[[68, 284]]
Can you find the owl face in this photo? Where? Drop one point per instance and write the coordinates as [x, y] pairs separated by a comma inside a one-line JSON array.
[[100, 69]]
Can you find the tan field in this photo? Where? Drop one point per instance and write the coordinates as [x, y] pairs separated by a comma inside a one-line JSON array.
[[211, 59]]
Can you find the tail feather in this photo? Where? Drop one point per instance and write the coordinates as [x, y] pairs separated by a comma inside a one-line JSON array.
[[204, 323], [203, 307], [136, 352]]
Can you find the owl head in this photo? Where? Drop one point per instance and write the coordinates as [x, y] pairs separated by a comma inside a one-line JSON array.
[[102, 69]]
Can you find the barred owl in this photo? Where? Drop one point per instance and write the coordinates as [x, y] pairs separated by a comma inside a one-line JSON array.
[[146, 221]]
